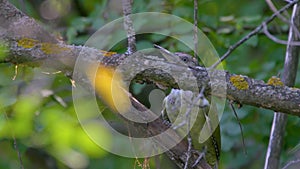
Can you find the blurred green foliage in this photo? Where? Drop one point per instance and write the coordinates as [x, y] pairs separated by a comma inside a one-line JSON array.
[[46, 128]]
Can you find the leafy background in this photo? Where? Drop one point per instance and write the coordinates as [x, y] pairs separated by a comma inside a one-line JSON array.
[[36, 107]]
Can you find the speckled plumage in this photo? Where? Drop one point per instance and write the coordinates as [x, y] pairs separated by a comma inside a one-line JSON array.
[[176, 106]]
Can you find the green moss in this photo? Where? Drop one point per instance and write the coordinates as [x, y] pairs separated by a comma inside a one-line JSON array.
[[239, 82], [275, 81]]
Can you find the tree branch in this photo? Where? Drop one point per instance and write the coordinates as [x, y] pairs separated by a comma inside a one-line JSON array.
[[29, 44], [252, 33], [43, 50], [240, 89], [288, 78], [128, 25]]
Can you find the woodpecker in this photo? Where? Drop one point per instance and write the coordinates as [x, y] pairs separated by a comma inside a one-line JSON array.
[[180, 102], [176, 106], [178, 57]]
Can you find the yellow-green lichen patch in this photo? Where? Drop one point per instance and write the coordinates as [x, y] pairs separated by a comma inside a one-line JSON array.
[[27, 43], [50, 48], [106, 53], [275, 81], [239, 82]]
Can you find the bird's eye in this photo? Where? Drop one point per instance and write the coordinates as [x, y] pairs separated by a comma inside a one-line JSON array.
[[184, 59]]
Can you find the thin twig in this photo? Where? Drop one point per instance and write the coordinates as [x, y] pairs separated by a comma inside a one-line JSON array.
[[275, 39], [283, 18], [15, 143], [201, 106], [128, 26], [274, 9], [196, 56], [189, 138], [289, 75], [200, 156], [191, 104], [290, 164], [252, 33], [195, 28], [19, 153], [188, 119], [240, 125]]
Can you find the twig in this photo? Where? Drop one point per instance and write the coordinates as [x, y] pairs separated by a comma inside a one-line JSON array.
[[289, 76], [190, 103], [128, 26], [252, 33], [275, 39], [274, 9], [291, 164], [18, 151], [283, 18], [189, 138], [240, 125], [201, 156], [195, 28], [15, 143]]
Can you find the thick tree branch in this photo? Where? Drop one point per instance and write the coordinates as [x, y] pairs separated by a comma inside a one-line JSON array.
[[29, 44], [240, 89]]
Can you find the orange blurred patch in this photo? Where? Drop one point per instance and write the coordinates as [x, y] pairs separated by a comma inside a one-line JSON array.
[[109, 85]]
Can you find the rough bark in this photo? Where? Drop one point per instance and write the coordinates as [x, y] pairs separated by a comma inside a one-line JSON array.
[[241, 89], [27, 43]]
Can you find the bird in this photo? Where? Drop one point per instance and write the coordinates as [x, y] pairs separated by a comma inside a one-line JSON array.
[[178, 57], [205, 131], [205, 138]]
